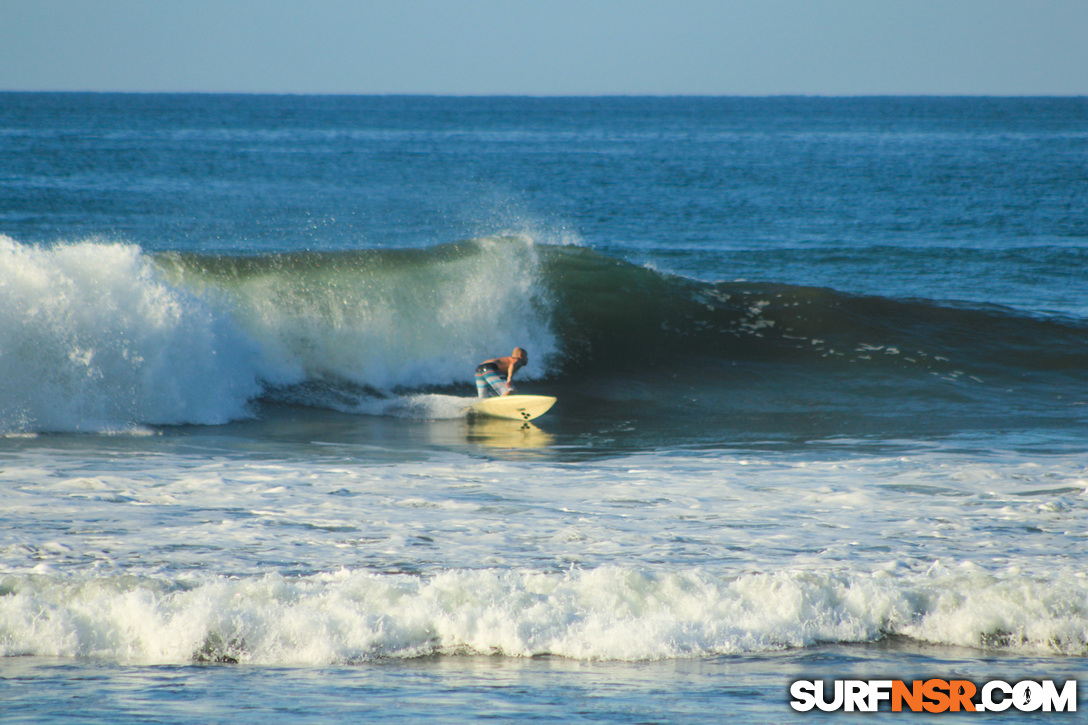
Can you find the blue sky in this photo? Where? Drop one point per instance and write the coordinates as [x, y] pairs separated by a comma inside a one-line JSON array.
[[548, 47]]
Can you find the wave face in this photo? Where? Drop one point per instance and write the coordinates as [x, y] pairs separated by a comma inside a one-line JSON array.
[[846, 363], [105, 337], [381, 320]]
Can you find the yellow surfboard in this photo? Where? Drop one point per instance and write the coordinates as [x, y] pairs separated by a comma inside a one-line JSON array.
[[514, 407]]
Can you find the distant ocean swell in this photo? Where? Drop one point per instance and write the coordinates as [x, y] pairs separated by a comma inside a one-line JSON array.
[[610, 613], [102, 336]]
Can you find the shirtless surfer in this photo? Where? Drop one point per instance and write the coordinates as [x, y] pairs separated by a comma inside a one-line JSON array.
[[489, 373]]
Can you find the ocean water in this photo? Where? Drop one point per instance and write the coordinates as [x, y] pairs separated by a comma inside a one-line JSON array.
[[822, 370]]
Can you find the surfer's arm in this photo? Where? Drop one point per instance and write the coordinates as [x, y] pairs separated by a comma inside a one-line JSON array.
[[511, 367]]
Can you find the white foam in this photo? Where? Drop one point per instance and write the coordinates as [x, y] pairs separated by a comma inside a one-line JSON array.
[[649, 556], [93, 339], [615, 613], [426, 407]]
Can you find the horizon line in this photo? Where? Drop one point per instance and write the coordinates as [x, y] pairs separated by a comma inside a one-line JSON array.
[[409, 94]]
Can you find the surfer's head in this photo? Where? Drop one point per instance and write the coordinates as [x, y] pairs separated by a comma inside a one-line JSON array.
[[521, 355]]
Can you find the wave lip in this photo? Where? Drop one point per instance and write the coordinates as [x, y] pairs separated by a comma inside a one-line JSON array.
[[611, 613]]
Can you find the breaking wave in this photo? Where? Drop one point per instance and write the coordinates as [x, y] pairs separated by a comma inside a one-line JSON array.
[[104, 336], [611, 613]]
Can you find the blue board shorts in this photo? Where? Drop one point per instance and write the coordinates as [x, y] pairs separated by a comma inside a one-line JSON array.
[[490, 381]]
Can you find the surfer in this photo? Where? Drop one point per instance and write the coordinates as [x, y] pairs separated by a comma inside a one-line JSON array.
[[489, 373]]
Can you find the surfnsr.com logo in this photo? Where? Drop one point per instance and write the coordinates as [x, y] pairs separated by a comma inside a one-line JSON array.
[[934, 695]]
